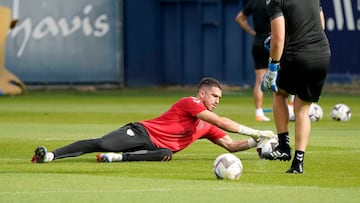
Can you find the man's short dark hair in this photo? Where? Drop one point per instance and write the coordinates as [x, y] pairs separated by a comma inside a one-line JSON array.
[[209, 82]]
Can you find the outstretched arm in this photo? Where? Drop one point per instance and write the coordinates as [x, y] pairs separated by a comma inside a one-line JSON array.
[[232, 126], [235, 145]]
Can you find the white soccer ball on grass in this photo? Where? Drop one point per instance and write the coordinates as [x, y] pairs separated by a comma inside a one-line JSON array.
[[227, 166], [266, 146], [340, 112], [315, 112]]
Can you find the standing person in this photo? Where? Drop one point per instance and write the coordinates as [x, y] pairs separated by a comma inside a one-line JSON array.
[[189, 119], [260, 55], [299, 41]]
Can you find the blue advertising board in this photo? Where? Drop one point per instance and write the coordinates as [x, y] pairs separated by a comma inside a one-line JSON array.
[[183, 41], [343, 30], [153, 42], [65, 41]]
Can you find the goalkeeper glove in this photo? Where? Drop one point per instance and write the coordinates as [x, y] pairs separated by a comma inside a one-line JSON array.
[[268, 83], [256, 134]]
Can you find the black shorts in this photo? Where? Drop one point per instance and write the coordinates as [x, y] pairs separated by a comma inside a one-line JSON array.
[[129, 138], [260, 55], [304, 78]]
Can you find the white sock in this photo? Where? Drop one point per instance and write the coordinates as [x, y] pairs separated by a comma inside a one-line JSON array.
[[49, 157], [118, 157], [115, 156], [259, 112]]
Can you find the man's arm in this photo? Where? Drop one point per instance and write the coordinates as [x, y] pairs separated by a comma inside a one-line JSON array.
[[322, 18], [232, 126], [241, 19], [268, 84], [277, 38], [235, 145], [221, 122]]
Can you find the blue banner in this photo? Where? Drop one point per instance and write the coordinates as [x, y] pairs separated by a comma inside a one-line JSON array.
[[80, 41], [343, 30], [65, 41]]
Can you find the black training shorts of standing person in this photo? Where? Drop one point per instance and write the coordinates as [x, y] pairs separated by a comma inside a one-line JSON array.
[[304, 78]]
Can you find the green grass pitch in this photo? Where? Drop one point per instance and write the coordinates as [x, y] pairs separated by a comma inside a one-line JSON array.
[[56, 118]]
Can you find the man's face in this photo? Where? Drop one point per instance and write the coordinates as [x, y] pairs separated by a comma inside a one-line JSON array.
[[210, 97]]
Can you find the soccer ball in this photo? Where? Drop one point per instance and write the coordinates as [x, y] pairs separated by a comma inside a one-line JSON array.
[[315, 112], [266, 146], [340, 112], [227, 166]]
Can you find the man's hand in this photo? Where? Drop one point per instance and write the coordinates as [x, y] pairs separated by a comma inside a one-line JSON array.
[[255, 134], [267, 134], [268, 83], [264, 134]]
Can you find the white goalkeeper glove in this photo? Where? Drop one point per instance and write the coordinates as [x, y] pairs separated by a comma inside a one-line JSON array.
[[256, 134]]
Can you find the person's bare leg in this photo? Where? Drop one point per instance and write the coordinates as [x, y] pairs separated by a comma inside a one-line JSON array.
[[302, 134], [302, 124], [281, 118], [258, 96], [281, 112]]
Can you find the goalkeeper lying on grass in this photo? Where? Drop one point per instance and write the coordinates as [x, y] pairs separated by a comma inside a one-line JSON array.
[[189, 119]]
